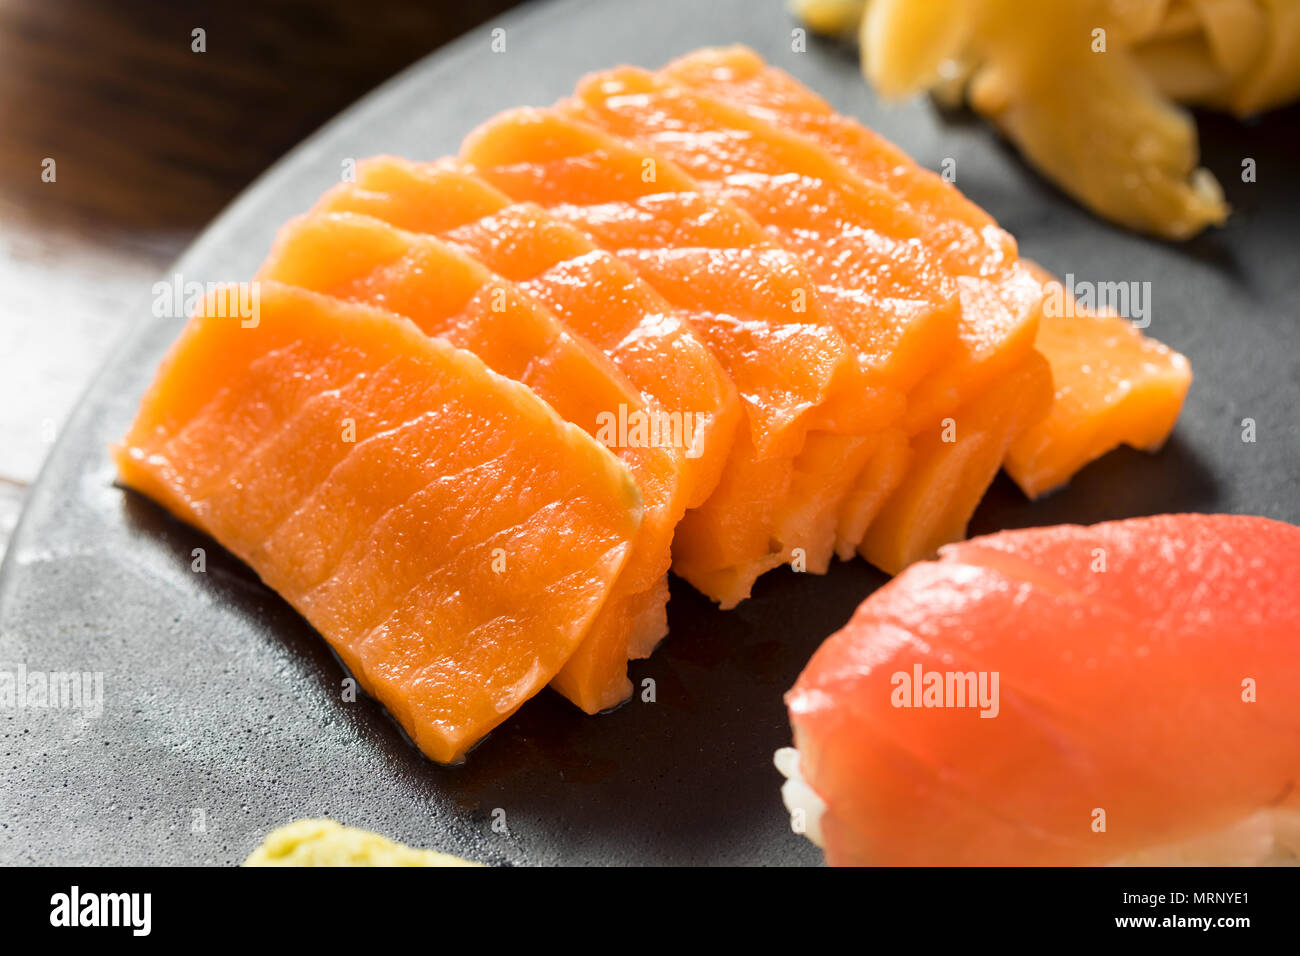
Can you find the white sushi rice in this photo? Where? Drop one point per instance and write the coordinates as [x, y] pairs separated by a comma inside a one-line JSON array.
[[805, 806], [1270, 837]]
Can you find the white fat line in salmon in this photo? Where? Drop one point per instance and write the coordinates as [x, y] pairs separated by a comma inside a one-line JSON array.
[[651, 428], [922, 688], [1073, 299], [178, 299], [23, 689]]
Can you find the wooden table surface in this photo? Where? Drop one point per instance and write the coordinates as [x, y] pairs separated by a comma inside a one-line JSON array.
[[149, 139]]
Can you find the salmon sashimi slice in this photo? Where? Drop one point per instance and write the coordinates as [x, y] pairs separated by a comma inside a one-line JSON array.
[[999, 299], [596, 296], [1114, 386], [996, 334], [966, 238], [948, 474], [775, 511], [882, 474], [990, 321], [404, 498], [610, 305], [726, 545], [765, 513], [758, 309], [753, 301], [561, 268], [451, 296], [827, 479], [1094, 649], [889, 295], [1133, 387], [951, 467]]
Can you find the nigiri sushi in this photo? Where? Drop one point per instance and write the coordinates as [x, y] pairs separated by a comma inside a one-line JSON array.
[[1122, 693]]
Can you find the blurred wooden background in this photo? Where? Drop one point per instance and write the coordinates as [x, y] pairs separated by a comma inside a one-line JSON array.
[[149, 140]]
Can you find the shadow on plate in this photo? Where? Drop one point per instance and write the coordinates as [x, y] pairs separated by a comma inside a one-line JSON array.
[[1122, 484]]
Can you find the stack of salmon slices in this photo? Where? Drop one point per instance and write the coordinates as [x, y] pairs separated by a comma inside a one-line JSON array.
[[689, 319]]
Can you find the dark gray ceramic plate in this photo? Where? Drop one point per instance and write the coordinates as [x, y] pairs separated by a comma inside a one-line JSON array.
[[222, 715]]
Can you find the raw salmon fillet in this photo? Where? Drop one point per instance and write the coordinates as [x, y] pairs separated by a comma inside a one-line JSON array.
[[758, 309], [966, 237], [1146, 710], [867, 248], [889, 295], [373, 476], [560, 267], [1114, 386], [451, 296], [951, 467], [696, 319], [873, 485], [593, 293], [753, 301], [1000, 297]]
